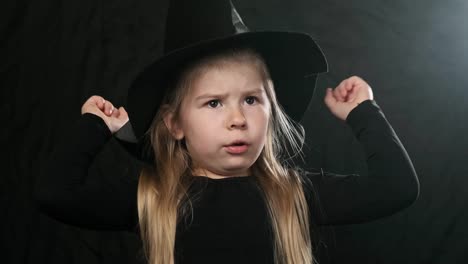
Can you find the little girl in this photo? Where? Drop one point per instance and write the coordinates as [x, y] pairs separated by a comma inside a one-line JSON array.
[[220, 185]]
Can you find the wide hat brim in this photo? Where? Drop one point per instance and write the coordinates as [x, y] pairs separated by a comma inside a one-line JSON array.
[[293, 59]]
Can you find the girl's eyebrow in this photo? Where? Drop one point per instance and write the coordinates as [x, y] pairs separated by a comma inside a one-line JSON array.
[[203, 96]]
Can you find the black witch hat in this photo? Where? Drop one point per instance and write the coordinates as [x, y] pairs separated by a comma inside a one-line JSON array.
[[198, 28]]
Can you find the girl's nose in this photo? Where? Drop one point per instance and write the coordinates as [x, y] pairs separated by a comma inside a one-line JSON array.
[[237, 119]]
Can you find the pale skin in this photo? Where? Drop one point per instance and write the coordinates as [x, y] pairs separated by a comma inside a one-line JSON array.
[[237, 109], [224, 105]]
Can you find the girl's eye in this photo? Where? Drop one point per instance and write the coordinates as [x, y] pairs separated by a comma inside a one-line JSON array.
[[251, 100], [213, 103]]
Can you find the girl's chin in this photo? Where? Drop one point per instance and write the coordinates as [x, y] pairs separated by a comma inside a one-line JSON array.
[[228, 171]]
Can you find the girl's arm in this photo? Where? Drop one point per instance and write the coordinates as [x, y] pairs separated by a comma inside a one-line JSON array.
[[391, 183], [66, 192]]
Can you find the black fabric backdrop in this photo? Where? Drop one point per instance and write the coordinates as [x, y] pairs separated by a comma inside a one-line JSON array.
[[55, 54]]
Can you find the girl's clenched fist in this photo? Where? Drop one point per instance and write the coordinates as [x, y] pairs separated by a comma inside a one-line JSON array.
[[347, 95], [114, 118]]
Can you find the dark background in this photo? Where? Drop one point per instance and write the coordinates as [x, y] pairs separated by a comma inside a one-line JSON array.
[[55, 54]]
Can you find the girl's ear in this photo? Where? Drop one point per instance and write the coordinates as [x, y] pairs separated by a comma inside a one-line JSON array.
[[172, 124]]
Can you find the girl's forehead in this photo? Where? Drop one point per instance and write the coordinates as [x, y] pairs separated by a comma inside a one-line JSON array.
[[227, 78]]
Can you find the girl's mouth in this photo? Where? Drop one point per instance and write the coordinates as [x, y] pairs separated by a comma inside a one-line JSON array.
[[237, 148]]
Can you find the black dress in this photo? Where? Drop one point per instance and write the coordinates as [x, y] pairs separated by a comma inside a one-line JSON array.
[[229, 223]]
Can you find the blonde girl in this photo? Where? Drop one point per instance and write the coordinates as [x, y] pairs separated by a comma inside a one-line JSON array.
[[219, 183]]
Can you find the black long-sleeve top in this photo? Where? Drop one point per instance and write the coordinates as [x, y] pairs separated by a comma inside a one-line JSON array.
[[229, 223]]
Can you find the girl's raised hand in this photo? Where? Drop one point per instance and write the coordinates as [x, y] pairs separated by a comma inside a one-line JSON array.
[[347, 95], [113, 117]]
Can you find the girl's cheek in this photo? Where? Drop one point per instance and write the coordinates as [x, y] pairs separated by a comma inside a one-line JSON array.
[[261, 113]]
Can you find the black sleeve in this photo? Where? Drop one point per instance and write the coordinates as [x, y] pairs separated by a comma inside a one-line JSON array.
[[390, 185], [66, 191]]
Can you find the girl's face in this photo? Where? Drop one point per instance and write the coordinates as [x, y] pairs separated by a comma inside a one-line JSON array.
[[224, 106]]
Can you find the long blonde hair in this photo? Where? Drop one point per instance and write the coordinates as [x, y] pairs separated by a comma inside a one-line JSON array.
[[163, 187]]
